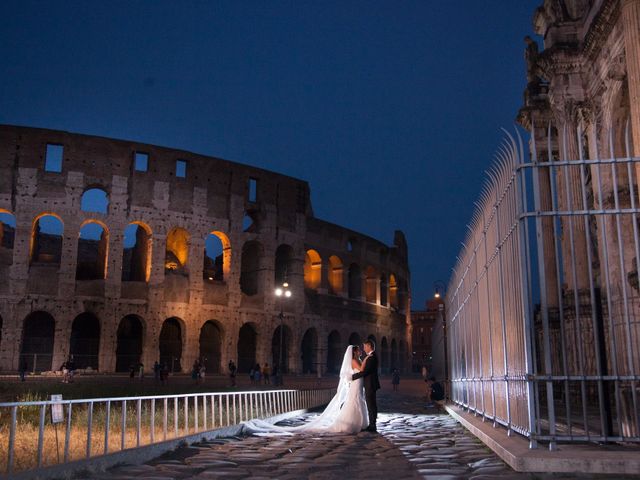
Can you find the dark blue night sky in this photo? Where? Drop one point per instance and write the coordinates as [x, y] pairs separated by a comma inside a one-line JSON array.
[[391, 110]]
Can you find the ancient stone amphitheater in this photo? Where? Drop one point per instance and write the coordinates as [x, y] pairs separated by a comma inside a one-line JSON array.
[[117, 253]]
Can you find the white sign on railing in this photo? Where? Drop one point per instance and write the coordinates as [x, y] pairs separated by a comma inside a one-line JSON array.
[[57, 415]]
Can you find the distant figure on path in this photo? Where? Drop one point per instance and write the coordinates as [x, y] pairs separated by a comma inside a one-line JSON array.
[[395, 379], [232, 373], [23, 369], [141, 371], [156, 371], [266, 373]]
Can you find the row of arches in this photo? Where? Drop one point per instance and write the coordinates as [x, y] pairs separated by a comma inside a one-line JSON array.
[[46, 246], [378, 286], [38, 332]]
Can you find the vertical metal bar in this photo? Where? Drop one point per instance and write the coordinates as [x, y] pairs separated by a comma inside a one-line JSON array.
[[227, 398], [195, 415], [89, 428], [596, 319], [41, 434], [610, 312], [175, 417], [123, 425], [527, 303], [107, 425], [186, 415], [138, 420], [164, 418], [152, 421], [204, 411], [67, 436], [12, 439]]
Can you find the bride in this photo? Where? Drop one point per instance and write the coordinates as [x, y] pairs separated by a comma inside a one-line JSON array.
[[345, 413]]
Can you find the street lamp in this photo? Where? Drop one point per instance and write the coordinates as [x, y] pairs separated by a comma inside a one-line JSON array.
[[282, 293], [439, 286]]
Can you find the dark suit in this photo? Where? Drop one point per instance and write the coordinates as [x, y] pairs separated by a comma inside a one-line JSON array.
[[371, 385]]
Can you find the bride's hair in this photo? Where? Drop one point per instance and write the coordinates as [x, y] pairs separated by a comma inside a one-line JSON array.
[[355, 351]]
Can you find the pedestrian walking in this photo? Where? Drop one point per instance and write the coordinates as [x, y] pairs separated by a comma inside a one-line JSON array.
[[232, 373], [23, 369], [156, 371], [266, 373]]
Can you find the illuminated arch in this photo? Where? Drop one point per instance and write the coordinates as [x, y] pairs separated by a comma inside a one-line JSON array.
[[336, 275], [217, 256], [136, 252], [177, 249], [42, 247], [312, 270], [393, 291]]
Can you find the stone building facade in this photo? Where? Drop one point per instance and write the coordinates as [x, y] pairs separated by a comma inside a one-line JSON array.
[[583, 100], [424, 326], [115, 253]]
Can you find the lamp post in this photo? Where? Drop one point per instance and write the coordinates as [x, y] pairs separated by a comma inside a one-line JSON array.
[[439, 288], [282, 293]]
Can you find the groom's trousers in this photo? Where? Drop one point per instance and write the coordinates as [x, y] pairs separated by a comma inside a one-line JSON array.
[[372, 406]]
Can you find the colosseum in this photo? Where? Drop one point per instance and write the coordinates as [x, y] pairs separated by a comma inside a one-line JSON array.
[[116, 253]]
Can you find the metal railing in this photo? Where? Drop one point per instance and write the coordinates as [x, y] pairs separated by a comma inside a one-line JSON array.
[[543, 309], [93, 427]]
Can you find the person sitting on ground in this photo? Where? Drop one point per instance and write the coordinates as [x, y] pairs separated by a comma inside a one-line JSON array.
[[436, 393]]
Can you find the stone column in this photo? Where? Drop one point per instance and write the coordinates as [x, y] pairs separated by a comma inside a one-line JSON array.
[[325, 271], [569, 187], [631, 25]]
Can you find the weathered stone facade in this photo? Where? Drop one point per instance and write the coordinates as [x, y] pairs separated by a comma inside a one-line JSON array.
[[582, 97], [345, 286]]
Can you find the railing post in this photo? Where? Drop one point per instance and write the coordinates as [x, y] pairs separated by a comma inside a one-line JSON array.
[[89, 428], [123, 425], [12, 439], [107, 423]]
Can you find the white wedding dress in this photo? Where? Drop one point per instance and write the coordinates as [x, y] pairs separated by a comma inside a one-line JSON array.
[[345, 413]]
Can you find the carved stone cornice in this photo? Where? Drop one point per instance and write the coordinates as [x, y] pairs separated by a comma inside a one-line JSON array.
[[600, 28], [558, 60]]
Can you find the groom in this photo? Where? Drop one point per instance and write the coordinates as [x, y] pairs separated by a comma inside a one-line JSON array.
[[371, 383]]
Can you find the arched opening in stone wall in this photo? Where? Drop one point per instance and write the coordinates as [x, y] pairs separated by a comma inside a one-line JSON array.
[[84, 344], [129, 343], [38, 333], [94, 200], [403, 356], [170, 344], [355, 281], [309, 351], [336, 282], [250, 267], [371, 293], [281, 362], [136, 255], [217, 257], [250, 222], [177, 252], [384, 290], [393, 291], [247, 344], [7, 236], [283, 264], [46, 240], [335, 351], [354, 339], [211, 346], [384, 356], [93, 244], [394, 354], [312, 270]]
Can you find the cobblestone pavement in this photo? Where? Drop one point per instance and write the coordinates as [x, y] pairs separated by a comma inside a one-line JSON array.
[[413, 444]]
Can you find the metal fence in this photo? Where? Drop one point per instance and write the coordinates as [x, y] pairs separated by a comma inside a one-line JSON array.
[[543, 310], [94, 427]]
